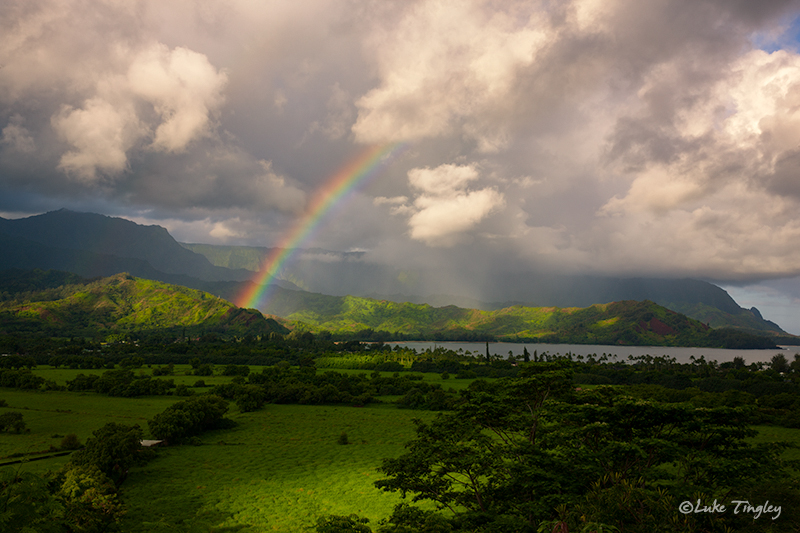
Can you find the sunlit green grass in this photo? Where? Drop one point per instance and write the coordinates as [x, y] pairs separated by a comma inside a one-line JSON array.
[[278, 470], [47, 414]]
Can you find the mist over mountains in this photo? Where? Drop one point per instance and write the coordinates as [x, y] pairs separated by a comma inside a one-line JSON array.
[[92, 245]]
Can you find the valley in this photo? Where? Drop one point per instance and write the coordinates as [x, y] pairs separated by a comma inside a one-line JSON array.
[[311, 414]]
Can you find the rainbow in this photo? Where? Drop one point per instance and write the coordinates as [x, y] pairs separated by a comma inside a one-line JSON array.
[[356, 172]]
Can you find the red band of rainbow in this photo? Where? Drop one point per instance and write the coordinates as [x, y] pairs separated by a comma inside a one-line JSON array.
[[356, 172]]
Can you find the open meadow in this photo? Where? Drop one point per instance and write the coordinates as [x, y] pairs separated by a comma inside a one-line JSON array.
[[279, 469]]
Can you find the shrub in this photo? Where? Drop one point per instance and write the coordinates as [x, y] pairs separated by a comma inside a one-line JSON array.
[[113, 449], [249, 398], [183, 390], [12, 421], [70, 442], [204, 370], [342, 524], [188, 418]]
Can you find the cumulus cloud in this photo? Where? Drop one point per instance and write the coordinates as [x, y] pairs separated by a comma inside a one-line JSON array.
[[183, 86], [716, 177], [180, 85], [647, 137], [447, 66], [743, 127], [100, 134], [444, 207]]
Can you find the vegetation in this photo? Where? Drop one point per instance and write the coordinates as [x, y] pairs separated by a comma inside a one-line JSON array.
[[518, 453], [188, 418], [207, 486], [627, 323], [313, 429], [121, 304], [124, 307]]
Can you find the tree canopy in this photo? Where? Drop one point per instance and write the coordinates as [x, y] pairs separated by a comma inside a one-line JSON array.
[[525, 452]]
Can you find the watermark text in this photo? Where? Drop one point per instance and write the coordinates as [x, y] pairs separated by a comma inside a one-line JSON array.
[[737, 506]]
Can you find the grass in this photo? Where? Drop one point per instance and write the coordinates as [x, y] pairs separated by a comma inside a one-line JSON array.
[[47, 414], [62, 375], [775, 434], [279, 470]]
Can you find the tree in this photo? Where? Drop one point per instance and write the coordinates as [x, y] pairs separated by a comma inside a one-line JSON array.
[[188, 418], [795, 365], [112, 449], [524, 451], [779, 363], [89, 498], [26, 503], [12, 421], [249, 398]]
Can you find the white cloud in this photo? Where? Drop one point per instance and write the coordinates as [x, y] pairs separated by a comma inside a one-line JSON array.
[[183, 87], [442, 180], [439, 219], [445, 209], [222, 232], [395, 200], [100, 134], [270, 189], [445, 66]]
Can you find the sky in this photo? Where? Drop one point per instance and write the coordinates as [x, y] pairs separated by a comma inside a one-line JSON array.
[[620, 138]]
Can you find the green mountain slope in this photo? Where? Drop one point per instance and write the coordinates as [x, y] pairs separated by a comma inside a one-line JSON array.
[[123, 304], [628, 322], [339, 273]]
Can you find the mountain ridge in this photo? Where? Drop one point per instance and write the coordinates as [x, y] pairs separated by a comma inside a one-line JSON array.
[[88, 244], [123, 304]]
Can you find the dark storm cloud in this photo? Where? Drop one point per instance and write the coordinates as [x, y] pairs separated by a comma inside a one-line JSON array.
[[614, 137]]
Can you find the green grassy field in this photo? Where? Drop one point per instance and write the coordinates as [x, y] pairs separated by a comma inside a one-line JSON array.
[[51, 415], [279, 470]]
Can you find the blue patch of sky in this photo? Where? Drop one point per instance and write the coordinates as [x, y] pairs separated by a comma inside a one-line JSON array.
[[773, 304], [784, 37]]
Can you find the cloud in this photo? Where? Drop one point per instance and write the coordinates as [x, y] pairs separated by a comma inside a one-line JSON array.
[[180, 85], [184, 89], [446, 67], [17, 137], [716, 177], [442, 180], [100, 134], [439, 219], [339, 117], [648, 137], [444, 208]]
